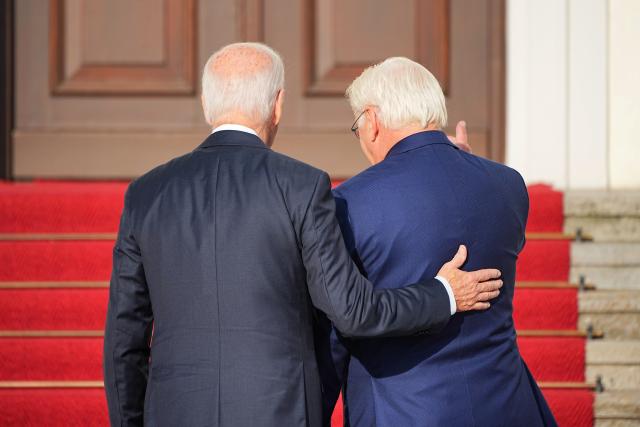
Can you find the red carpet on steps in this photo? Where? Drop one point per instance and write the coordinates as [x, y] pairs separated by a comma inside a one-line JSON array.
[[53, 407], [91, 260], [45, 309], [554, 359], [544, 260], [55, 260], [62, 207], [79, 359], [95, 207], [50, 359], [545, 308], [546, 209], [38, 309], [571, 407]]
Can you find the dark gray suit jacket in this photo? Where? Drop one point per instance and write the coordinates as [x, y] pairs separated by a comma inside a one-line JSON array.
[[223, 254]]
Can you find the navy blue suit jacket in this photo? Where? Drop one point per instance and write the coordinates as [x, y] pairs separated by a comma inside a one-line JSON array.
[[420, 203], [226, 254]]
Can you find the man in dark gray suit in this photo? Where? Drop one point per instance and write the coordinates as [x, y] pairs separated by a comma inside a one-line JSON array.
[[224, 255]]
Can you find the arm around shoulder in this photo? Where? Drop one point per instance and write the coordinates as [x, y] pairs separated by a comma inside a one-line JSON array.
[[349, 300]]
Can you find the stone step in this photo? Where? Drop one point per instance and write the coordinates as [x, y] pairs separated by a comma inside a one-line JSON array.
[[617, 363], [597, 203], [623, 229], [614, 278], [615, 377], [615, 313], [617, 408], [621, 326], [607, 254], [609, 301], [608, 352], [615, 422]]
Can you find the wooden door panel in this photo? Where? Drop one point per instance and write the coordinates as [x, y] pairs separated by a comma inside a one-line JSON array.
[[118, 47], [343, 38], [90, 71]]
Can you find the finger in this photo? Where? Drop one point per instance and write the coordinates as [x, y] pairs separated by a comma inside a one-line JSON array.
[[489, 286], [461, 145], [460, 257], [462, 137], [480, 306], [486, 296], [485, 275], [464, 147], [461, 133]]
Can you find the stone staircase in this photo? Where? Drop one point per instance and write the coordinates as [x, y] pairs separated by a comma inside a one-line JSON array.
[[612, 263]]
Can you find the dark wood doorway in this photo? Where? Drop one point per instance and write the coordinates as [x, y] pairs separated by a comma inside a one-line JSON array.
[[325, 44], [6, 80]]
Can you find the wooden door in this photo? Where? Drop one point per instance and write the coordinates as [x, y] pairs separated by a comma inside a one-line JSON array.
[[110, 88]]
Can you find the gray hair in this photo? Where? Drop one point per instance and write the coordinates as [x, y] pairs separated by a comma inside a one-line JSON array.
[[404, 92], [242, 78]]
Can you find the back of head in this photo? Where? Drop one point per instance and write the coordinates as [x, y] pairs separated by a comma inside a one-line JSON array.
[[404, 92], [241, 79]]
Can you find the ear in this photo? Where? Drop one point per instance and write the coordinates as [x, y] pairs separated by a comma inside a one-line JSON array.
[[204, 108], [277, 112], [372, 122]]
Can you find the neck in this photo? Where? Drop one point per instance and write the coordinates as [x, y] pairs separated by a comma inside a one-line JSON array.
[[261, 129], [393, 136]]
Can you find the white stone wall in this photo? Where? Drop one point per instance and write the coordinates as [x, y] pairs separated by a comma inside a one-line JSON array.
[[573, 92]]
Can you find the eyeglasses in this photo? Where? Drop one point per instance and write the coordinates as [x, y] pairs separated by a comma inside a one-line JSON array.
[[354, 127]]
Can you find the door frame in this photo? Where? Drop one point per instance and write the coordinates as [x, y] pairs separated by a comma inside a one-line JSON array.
[[497, 80], [7, 104]]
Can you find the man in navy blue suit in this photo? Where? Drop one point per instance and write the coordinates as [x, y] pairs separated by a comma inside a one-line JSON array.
[[419, 200], [224, 255]]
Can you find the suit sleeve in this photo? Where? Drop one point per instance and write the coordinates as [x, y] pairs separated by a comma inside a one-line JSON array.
[[128, 330], [334, 366], [349, 300]]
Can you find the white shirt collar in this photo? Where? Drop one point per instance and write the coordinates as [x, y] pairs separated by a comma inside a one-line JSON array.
[[231, 126]]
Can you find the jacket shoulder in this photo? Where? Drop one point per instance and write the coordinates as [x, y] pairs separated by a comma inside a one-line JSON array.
[[295, 175], [508, 174], [161, 171], [510, 183], [364, 181]]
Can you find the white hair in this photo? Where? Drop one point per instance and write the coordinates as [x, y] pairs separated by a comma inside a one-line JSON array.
[[403, 91], [247, 82]]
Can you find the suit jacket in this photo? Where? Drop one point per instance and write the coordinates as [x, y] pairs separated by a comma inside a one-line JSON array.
[[221, 258], [420, 203]]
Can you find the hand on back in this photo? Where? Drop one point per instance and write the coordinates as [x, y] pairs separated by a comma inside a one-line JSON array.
[[474, 289]]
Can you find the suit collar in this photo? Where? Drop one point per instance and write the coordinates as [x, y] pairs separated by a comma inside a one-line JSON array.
[[234, 126], [418, 140], [232, 138]]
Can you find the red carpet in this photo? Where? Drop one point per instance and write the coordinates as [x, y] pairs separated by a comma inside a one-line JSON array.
[[571, 407], [545, 308], [38, 309], [50, 359], [44, 309], [55, 260], [91, 260], [67, 206], [548, 358], [60, 207], [554, 359], [544, 260], [53, 407], [546, 209]]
